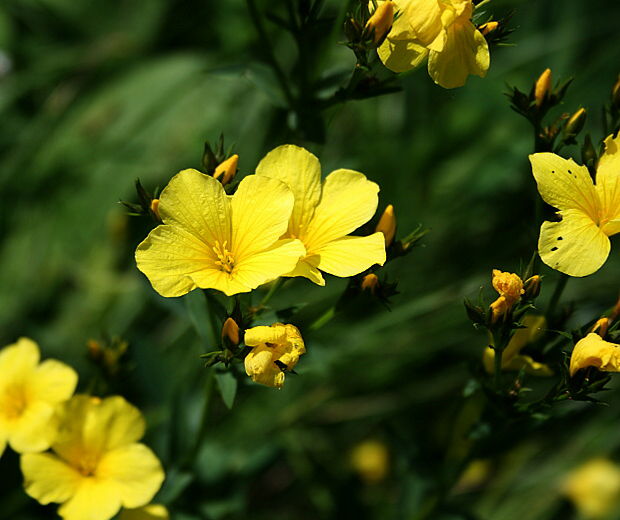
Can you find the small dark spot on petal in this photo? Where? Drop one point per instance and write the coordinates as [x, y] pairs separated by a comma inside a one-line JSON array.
[[560, 238], [554, 249]]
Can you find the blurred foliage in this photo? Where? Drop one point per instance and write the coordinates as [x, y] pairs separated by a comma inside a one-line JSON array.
[[97, 93]]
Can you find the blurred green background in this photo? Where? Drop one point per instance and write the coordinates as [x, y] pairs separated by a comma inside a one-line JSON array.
[[97, 93]]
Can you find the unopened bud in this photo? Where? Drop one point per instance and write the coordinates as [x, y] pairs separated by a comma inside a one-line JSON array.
[[576, 122], [230, 332], [352, 30], [601, 326], [488, 27], [542, 87], [95, 351], [531, 287], [387, 225], [370, 283], [615, 94], [155, 208], [380, 23], [227, 169], [588, 152]]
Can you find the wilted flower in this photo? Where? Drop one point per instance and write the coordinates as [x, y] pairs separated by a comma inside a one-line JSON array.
[[325, 214], [276, 350], [212, 240], [510, 288], [97, 465], [594, 488], [594, 351], [29, 394], [443, 32], [578, 244]]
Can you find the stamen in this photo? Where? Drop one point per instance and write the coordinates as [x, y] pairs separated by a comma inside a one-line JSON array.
[[225, 260]]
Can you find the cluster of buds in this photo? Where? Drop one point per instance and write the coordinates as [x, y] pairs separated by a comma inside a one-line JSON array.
[[147, 206], [218, 163], [496, 32], [365, 30], [108, 355]]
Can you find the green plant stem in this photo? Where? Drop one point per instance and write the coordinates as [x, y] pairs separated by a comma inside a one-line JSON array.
[[324, 318], [557, 294], [204, 418], [272, 290], [271, 57]]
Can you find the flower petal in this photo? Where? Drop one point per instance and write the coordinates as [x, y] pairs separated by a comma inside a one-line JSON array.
[[401, 55], [418, 19], [18, 360], [348, 200], [574, 246], [465, 52], [260, 366], [608, 183], [594, 351], [564, 184], [264, 266], [306, 267], [150, 512], [301, 172], [35, 430], [49, 479], [349, 256], [261, 209], [94, 500], [136, 472], [53, 381], [262, 334], [175, 261], [198, 203]]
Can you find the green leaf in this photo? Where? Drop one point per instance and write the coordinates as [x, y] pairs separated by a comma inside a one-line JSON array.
[[227, 384], [198, 314]]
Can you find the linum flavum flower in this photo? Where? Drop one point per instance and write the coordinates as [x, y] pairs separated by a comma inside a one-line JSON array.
[[578, 244], [510, 288], [96, 465], [443, 32], [29, 394], [594, 488], [512, 359], [324, 214], [215, 241], [276, 350], [594, 351]]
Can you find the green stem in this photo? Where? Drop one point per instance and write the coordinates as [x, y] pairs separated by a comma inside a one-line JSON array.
[[204, 417], [324, 318], [557, 294], [272, 290]]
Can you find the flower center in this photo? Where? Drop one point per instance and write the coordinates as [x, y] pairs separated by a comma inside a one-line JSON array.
[[225, 259], [87, 463], [13, 401]]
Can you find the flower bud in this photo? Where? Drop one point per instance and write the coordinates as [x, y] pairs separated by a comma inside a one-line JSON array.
[[230, 332], [531, 287], [499, 308], [387, 225], [380, 23], [155, 208], [576, 122], [95, 350], [615, 94], [588, 152], [601, 326], [370, 283], [227, 169], [488, 27], [542, 87]]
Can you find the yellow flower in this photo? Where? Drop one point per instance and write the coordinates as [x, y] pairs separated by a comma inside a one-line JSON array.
[[371, 460], [29, 394], [276, 350], [150, 512], [324, 215], [512, 359], [594, 488], [441, 31], [97, 465], [578, 244], [212, 240], [594, 351]]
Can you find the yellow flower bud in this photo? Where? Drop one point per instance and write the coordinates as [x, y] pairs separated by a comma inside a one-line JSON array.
[[155, 208], [531, 287], [576, 122], [380, 23], [230, 331], [370, 282], [387, 225], [488, 27], [542, 87], [499, 308], [371, 460], [227, 169], [601, 326]]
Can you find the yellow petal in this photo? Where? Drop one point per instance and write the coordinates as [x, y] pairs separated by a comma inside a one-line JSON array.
[[198, 203], [608, 184], [261, 209], [260, 366], [175, 261], [150, 512], [267, 265], [418, 19], [594, 351], [94, 500], [275, 333], [35, 430], [534, 328], [574, 246], [18, 360], [301, 172], [594, 488], [401, 55], [53, 381], [349, 256], [564, 184], [465, 52], [306, 267], [348, 200], [136, 472], [49, 479], [527, 364]]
